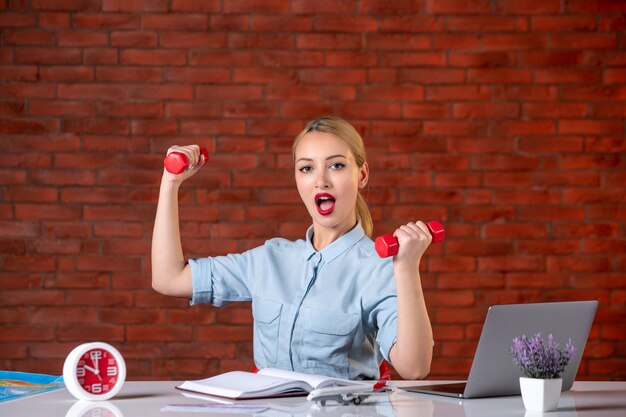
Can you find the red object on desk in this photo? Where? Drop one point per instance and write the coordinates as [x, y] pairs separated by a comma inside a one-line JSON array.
[[387, 245], [176, 162]]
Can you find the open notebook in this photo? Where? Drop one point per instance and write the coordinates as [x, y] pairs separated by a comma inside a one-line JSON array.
[[268, 382]]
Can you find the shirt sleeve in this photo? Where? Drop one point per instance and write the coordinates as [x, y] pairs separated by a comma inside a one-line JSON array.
[[382, 305], [223, 279]]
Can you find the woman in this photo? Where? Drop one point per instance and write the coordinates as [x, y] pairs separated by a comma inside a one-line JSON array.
[[327, 304]]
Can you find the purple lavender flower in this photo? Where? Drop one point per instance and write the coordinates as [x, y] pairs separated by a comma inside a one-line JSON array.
[[538, 359]]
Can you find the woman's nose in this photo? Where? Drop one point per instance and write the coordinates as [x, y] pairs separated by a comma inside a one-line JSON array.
[[322, 180]]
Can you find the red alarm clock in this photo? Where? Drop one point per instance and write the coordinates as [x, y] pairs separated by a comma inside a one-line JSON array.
[[94, 371]]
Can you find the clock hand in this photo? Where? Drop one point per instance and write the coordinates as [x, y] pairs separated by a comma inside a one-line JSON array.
[[95, 371]]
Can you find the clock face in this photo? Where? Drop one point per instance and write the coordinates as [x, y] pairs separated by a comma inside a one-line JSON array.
[[97, 371], [94, 371]]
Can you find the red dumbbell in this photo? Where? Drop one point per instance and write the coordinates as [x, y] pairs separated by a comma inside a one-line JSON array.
[[176, 162], [387, 245]]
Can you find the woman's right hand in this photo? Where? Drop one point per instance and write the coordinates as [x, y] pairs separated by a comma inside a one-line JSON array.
[[194, 157]]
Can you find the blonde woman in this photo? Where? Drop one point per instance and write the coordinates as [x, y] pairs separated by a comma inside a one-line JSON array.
[[326, 304]]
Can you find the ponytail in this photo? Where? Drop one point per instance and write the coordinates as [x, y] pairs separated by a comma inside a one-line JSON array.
[[364, 216]]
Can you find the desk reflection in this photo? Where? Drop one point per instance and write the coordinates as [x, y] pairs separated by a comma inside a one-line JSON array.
[[93, 409], [511, 406], [387, 405]]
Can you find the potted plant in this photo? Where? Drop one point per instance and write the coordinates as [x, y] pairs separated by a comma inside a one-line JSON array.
[[542, 365]]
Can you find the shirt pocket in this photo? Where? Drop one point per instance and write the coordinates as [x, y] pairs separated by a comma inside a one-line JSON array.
[[327, 339], [266, 316]]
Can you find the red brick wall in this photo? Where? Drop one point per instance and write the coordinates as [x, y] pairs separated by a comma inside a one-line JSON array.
[[502, 118]]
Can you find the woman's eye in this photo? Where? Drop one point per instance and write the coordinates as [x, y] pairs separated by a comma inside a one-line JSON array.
[[337, 165], [305, 169]]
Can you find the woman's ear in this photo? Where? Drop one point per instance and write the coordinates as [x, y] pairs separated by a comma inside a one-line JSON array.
[[364, 175]]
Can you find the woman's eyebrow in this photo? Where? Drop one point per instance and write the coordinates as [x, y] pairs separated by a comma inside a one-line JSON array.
[[327, 158]]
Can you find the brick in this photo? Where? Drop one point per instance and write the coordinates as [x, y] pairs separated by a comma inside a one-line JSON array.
[[184, 39], [402, 42], [26, 333], [527, 93], [550, 58], [359, 24], [563, 23], [209, 6], [229, 23], [161, 92], [61, 108], [485, 23], [90, 91], [48, 56], [97, 125], [323, 7], [13, 19], [563, 76], [74, 280], [207, 350], [580, 41], [481, 59], [221, 59], [578, 264], [517, 42], [12, 108], [28, 126], [101, 56], [594, 92], [106, 21], [458, 7], [591, 127], [135, 6], [134, 39], [18, 73], [605, 144], [528, 6], [125, 109], [257, 6], [328, 41], [129, 74], [69, 5], [524, 196], [461, 93], [251, 110], [456, 41], [86, 38], [153, 57], [62, 177], [66, 230], [46, 211], [75, 333], [287, 23], [28, 37]]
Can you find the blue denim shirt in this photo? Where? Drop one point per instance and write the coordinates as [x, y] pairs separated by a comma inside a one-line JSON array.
[[332, 312]]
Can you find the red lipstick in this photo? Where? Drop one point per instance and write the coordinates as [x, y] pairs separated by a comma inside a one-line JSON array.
[[325, 203]]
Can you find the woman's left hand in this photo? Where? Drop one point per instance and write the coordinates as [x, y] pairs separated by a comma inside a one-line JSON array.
[[413, 239]]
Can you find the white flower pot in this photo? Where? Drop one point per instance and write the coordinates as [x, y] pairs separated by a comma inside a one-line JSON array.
[[540, 394]]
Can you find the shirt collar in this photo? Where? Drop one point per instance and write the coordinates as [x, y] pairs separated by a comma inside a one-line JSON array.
[[339, 246]]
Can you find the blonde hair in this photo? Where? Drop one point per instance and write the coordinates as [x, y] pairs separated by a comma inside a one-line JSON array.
[[348, 134]]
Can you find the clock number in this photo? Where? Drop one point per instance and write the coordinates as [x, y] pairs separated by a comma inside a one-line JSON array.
[[96, 388], [95, 354], [111, 371], [80, 372]]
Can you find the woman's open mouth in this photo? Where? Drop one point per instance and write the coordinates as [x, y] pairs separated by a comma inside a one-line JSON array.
[[325, 203]]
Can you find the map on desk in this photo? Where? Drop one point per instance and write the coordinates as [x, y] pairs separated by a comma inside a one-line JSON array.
[[20, 384]]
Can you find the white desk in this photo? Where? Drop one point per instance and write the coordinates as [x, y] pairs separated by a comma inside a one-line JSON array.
[[145, 399]]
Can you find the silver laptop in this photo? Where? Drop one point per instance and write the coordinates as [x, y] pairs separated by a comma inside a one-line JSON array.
[[493, 372]]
